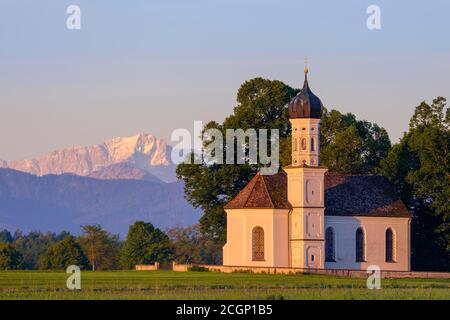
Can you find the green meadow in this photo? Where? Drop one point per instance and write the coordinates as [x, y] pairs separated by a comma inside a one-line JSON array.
[[209, 285]]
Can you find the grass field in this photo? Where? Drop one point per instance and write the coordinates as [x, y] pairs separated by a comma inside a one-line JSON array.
[[208, 285]]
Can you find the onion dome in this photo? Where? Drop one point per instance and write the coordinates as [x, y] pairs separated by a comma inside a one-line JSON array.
[[305, 104]]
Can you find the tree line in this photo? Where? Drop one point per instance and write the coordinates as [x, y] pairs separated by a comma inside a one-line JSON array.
[[418, 165], [97, 249]]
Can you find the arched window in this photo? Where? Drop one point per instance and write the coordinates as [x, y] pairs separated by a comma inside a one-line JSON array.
[[312, 144], [329, 245], [390, 245], [295, 145], [258, 244], [360, 246]]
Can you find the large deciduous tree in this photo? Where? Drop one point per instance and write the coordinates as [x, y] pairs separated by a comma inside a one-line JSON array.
[[349, 145], [63, 254], [10, 258], [191, 246], [101, 248], [145, 244], [419, 167], [34, 244]]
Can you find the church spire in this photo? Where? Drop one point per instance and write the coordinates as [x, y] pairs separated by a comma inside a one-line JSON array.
[[305, 112], [305, 104]]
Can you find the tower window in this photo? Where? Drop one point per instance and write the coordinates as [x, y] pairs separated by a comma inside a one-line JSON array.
[[360, 246], [295, 144], [329, 245], [258, 244], [312, 144], [303, 144]]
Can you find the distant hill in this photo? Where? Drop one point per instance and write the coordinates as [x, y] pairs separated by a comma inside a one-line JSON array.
[[142, 151], [64, 202]]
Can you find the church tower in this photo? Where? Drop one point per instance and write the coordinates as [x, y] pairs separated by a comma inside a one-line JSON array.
[[305, 111], [305, 179]]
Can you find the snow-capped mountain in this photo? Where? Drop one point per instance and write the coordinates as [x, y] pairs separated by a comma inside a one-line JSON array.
[[114, 184], [123, 171], [142, 151]]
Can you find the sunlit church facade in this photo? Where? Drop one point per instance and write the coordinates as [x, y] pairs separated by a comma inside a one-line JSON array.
[[306, 217]]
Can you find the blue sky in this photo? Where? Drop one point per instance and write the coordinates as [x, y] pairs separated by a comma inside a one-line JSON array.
[[154, 66]]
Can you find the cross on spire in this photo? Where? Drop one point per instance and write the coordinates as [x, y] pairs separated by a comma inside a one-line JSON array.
[[306, 68]]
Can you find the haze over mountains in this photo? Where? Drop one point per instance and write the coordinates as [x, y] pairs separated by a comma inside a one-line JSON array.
[[113, 184]]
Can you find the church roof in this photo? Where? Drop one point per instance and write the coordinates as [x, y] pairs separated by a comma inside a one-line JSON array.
[[345, 195], [362, 195], [263, 191]]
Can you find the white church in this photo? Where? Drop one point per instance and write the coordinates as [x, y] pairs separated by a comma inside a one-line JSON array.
[[305, 217]]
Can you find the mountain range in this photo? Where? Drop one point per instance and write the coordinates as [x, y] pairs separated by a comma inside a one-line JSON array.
[[142, 151], [113, 184]]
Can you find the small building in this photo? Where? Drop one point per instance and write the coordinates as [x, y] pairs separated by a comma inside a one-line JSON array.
[[305, 217]]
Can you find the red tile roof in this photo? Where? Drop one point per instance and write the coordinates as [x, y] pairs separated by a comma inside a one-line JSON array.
[[345, 195], [263, 191]]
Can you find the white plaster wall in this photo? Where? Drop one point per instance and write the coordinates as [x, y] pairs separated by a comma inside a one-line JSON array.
[[307, 231], [297, 224], [240, 223], [314, 256], [302, 252], [375, 232], [281, 238]]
